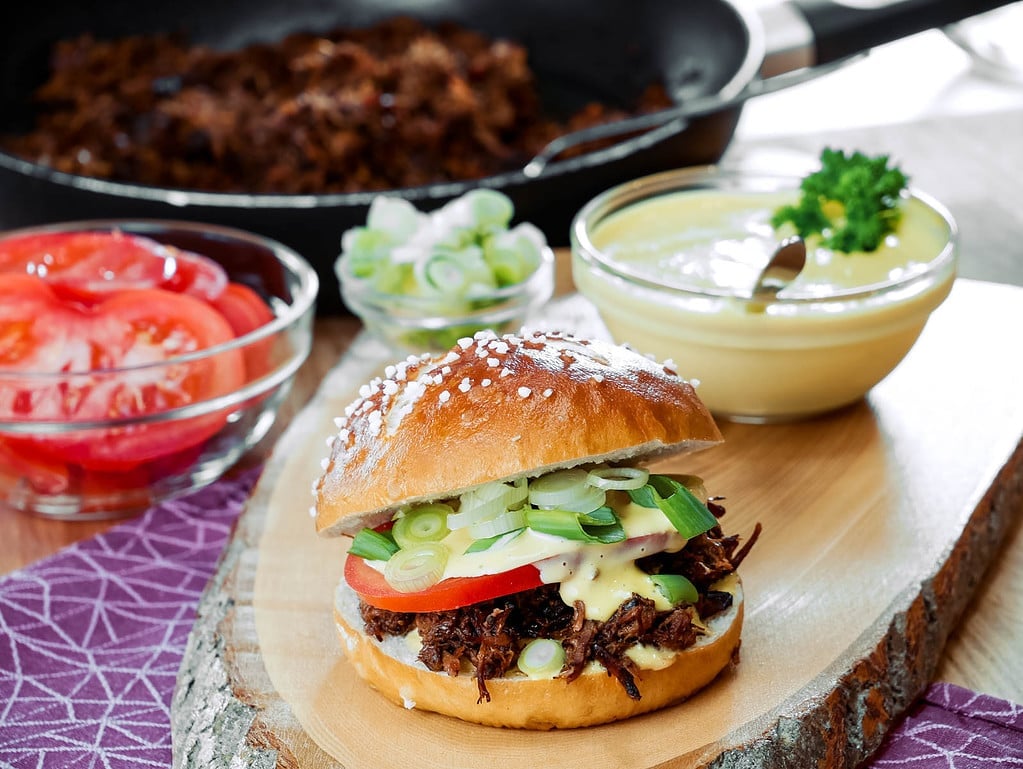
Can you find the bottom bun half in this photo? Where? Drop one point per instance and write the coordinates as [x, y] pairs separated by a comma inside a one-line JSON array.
[[516, 701]]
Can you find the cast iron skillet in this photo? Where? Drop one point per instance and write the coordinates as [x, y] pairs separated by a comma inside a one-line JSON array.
[[708, 52]]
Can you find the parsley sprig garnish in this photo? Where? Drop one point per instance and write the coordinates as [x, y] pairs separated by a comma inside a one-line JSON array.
[[851, 202]]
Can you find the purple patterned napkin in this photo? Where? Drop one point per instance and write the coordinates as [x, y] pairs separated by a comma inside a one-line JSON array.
[[92, 637], [955, 728]]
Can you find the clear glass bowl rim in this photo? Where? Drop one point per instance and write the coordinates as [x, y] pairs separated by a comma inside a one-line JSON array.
[[678, 180]]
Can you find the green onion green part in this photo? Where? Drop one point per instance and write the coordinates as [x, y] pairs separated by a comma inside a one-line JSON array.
[[570, 525], [602, 516], [566, 490], [687, 514], [675, 588], [373, 545]]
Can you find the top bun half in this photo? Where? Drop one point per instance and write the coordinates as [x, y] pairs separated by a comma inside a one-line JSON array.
[[498, 408]]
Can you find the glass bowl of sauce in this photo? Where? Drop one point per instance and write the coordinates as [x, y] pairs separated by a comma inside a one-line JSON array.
[[670, 262]]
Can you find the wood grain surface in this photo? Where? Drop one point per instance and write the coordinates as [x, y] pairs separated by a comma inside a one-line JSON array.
[[880, 523]]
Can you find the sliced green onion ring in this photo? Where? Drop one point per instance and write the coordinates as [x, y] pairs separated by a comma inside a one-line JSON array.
[[508, 493], [486, 502], [676, 588], [443, 273], [373, 545], [511, 492], [566, 490], [618, 478], [503, 523], [489, 208], [541, 658], [519, 491], [468, 516], [509, 267], [454, 271], [416, 568], [426, 523]]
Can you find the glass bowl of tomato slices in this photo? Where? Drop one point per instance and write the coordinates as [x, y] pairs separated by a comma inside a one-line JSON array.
[[140, 359]]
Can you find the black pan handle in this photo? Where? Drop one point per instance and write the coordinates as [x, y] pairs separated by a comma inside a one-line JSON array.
[[843, 29]]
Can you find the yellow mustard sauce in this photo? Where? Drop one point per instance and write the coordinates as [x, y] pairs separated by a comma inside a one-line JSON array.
[[830, 336], [709, 239]]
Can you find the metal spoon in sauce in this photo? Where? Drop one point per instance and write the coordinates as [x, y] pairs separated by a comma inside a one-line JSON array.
[[784, 265]]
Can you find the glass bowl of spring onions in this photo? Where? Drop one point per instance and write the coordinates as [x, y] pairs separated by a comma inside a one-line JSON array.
[[422, 281]]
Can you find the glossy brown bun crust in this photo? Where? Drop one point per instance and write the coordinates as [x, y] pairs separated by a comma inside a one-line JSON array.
[[527, 703], [496, 408]]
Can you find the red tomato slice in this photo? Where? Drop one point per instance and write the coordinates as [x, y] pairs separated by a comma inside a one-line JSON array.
[[17, 287], [196, 275], [152, 325], [27, 343], [243, 308], [87, 266], [246, 311], [39, 333], [43, 475], [445, 595]]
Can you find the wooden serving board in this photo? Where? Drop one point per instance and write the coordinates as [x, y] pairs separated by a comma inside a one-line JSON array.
[[879, 522]]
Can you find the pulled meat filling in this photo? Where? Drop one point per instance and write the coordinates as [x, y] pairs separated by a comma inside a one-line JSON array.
[[487, 636], [394, 105]]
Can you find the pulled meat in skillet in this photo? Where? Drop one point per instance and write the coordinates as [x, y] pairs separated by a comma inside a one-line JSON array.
[[390, 106], [488, 635]]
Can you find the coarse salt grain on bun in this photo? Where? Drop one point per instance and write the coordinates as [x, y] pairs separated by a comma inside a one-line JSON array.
[[498, 408]]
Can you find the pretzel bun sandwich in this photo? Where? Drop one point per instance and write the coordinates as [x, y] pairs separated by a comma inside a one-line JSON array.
[[513, 563]]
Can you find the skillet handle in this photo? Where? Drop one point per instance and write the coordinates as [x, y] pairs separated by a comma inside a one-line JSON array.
[[841, 30]]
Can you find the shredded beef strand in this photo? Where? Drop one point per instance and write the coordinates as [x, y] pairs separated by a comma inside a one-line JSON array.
[[447, 638], [740, 556], [380, 622], [541, 613], [577, 643], [675, 630], [705, 559], [497, 650], [621, 668], [630, 624], [713, 602]]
